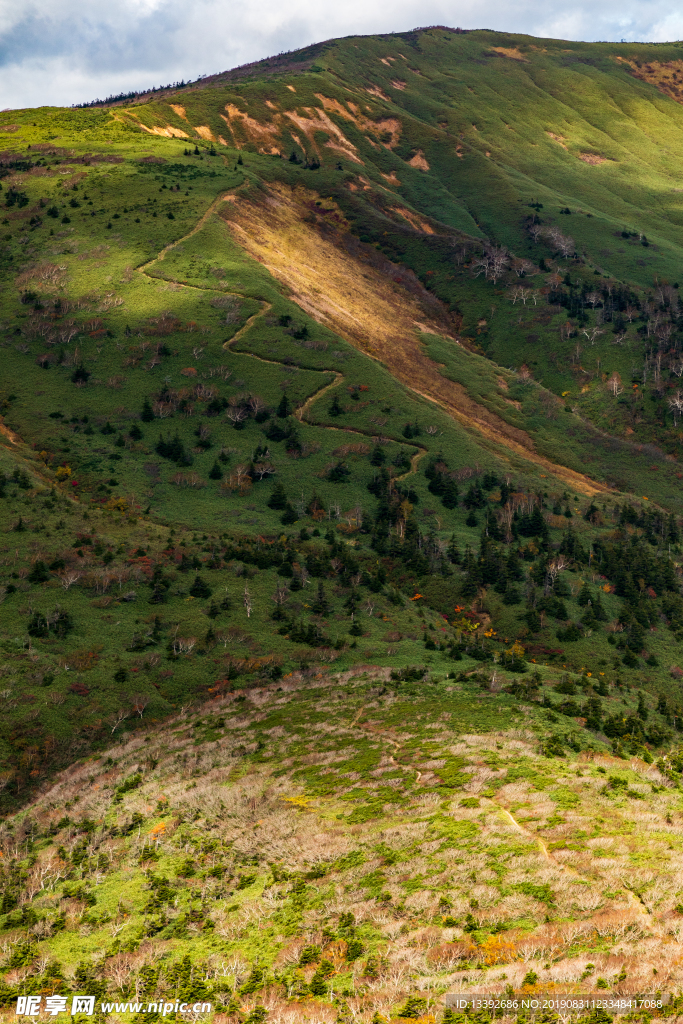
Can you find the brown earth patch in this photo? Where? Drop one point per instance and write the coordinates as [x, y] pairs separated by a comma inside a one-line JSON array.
[[375, 90], [419, 161], [559, 139], [416, 222], [391, 178], [339, 284], [204, 132], [385, 126], [398, 84], [246, 129], [167, 132], [180, 111], [510, 51], [593, 158], [666, 76], [318, 121], [8, 433]]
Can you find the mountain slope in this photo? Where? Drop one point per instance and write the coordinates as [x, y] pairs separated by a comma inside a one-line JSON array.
[[336, 847], [366, 355]]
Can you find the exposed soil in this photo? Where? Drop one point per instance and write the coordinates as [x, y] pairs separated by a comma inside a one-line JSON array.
[[334, 284]]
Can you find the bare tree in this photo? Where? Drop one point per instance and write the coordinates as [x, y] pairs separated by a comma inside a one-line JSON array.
[[117, 718], [256, 404], [236, 414], [522, 267], [592, 333], [676, 405], [67, 577], [492, 262], [562, 243], [262, 469], [281, 595], [614, 384], [140, 702], [247, 600]]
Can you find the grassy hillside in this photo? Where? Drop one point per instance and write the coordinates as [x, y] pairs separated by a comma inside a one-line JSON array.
[[368, 357], [340, 555], [340, 847]]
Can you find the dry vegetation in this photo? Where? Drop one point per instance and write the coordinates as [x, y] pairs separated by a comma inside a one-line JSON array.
[[302, 832]]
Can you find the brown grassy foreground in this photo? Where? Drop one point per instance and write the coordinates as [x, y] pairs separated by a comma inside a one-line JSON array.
[[344, 828]]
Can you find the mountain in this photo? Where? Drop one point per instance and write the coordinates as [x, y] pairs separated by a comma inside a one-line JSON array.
[[341, 530]]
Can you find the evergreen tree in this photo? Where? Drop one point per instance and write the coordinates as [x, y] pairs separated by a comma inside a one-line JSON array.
[[321, 605], [135, 433], [642, 707], [147, 414], [215, 473], [453, 551], [284, 408], [335, 408], [80, 374], [278, 497], [599, 611], [200, 588]]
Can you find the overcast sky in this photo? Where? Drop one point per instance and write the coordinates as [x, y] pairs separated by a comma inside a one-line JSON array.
[[69, 51]]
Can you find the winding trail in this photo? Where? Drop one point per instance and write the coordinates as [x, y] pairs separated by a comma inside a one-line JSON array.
[[633, 898], [635, 901], [303, 409]]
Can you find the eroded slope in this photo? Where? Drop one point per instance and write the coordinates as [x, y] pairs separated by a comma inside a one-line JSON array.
[[337, 285]]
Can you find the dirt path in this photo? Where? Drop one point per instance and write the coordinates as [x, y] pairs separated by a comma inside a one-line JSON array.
[[142, 269], [633, 899], [364, 306], [303, 409], [9, 434]]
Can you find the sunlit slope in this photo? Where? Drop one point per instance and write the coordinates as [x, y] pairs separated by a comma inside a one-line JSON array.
[[474, 126]]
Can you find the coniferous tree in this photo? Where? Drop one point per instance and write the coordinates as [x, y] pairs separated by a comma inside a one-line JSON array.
[[453, 551], [278, 497], [200, 588], [284, 408]]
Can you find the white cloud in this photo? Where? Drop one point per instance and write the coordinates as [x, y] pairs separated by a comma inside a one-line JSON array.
[[65, 51]]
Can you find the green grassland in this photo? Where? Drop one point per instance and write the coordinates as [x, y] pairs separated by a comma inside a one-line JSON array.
[[176, 423], [319, 702]]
